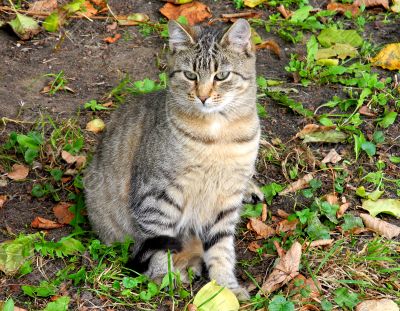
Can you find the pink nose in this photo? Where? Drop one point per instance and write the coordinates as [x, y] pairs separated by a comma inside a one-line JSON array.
[[203, 98]]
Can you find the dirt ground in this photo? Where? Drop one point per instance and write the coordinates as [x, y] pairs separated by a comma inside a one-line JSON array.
[[93, 68]]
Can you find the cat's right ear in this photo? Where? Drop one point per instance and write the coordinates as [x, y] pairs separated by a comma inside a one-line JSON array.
[[179, 37]]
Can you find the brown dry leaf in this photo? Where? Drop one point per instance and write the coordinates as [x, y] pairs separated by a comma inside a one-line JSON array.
[[3, 199], [342, 209], [43, 6], [270, 45], [388, 57], [18, 172], [285, 270], [365, 111], [377, 305], [132, 19], [343, 8], [254, 246], [99, 3], [194, 12], [298, 184], [192, 307], [111, 27], [380, 226], [281, 213], [262, 230], [112, 39], [317, 243], [43, 223], [285, 13], [286, 225], [311, 128], [332, 199], [332, 157], [89, 9], [371, 3], [264, 212], [233, 17], [307, 284], [281, 252], [62, 213], [79, 161], [309, 308]]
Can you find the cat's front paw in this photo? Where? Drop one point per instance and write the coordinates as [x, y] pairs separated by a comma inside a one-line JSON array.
[[241, 293], [253, 194]]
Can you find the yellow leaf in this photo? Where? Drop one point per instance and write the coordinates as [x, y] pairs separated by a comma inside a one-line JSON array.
[[396, 6], [214, 297], [388, 57], [253, 3]]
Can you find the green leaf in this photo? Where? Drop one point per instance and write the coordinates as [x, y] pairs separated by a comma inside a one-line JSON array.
[[301, 14], [182, 20], [378, 137], [261, 111], [316, 230], [304, 215], [74, 6], [330, 136], [375, 195], [26, 268], [312, 48], [344, 298], [13, 254], [330, 36], [129, 282], [56, 173], [250, 210], [329, 210], [30, 155], [351, 222], [30, 141], [394, 159], [270, 191], [215, 297], [369, 148], [45, 289], [9, 305], [338, 50], [52, 22], [326, 305], [24, 26], [279, 303], [61, 304], [387, 206], [388, 119]]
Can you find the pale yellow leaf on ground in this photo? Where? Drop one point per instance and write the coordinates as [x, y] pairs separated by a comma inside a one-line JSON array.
[[95, 126], [380, 226], [396, 6], [43, 6], [298, 184], [262, 230], [18, 172], [223, 298], [377, 305], [286, 269], [332, 157], [388, 57], [253, 3]]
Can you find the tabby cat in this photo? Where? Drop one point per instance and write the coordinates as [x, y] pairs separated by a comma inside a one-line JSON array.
[[173, 167]]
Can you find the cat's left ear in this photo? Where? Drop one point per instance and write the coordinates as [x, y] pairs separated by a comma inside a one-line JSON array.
[[179, 37], [238, 36]]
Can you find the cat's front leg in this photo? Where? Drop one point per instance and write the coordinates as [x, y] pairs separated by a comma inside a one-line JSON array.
[[220, 260]]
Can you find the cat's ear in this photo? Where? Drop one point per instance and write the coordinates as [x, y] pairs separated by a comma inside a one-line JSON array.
[[238, 36], [179, 37]]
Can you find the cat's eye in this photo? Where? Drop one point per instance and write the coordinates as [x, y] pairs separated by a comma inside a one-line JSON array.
[[190, 75], [223, 75]]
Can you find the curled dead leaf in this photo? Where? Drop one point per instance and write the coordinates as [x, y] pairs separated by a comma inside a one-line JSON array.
[[112, 39], [309, 308], [365, 111], [194, 12], [264, 212], [343, 8], [43, 6], [88, 9], [318, 243], [3, 199], [332, 198], [286, 225], [233, 17], [191, 307], [18, 172], [286, 269], [298, 184], [281, 213], [79, 161], [270, 45], [43, 223], [132, 19], [332, 157], [372, 3], [342, 209], [377, 305], [380, 226], [281, 252], [285, 13], [262, 230], [254, 246], [320, 133], [62, 213]]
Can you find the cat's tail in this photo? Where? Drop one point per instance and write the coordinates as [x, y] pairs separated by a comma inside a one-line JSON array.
[[140, 262]]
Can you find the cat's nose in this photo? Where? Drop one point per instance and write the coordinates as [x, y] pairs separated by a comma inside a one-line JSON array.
[[203, 98]]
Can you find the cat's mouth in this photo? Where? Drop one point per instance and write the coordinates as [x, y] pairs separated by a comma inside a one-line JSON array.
[[209, 106]]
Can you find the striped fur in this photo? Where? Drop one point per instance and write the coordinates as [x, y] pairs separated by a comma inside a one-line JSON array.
[[173, 167]]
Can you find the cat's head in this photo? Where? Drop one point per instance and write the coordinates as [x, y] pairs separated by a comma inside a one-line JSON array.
[[212, 71]]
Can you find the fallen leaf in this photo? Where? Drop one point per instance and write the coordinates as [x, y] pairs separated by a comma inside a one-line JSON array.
[[342, 209], [3, 199], [343, 8], [281, 252], [388, 57], [332, 199], [62, 213], [43, 6], [111, 27], [281, 213], [330, 36], [372, 3], [286, 269], [387, 206], [285, 13], [377, 305], [286, 225], [254, 246], [339, 50], [71, 159], [194, 12], [298, 184], [318, 243], [88, 9], [264, 212], [319, 133], [95, 126], [365, 111], [24, 27], [18, 172], [112, 39], [380, 226], [309, 308], [328, 62], [262, 230], [43, 223], [253, 3], [132, 19], [191, 307], [299, 284], [396, 6], [233, 17], [223, 298], [270, 45]]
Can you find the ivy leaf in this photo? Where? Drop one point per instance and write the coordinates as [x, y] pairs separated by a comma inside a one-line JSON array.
[[279, 303], [369, 148], [351, 222], [25, 27], [270, 191], [316, 230], [250, 210], [344, 298], [387, 206]]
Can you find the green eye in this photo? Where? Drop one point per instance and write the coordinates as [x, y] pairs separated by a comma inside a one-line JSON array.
[[223, 75], [190, 75]]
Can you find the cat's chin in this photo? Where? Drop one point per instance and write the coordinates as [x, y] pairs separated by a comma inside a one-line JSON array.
[[210, 109]]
